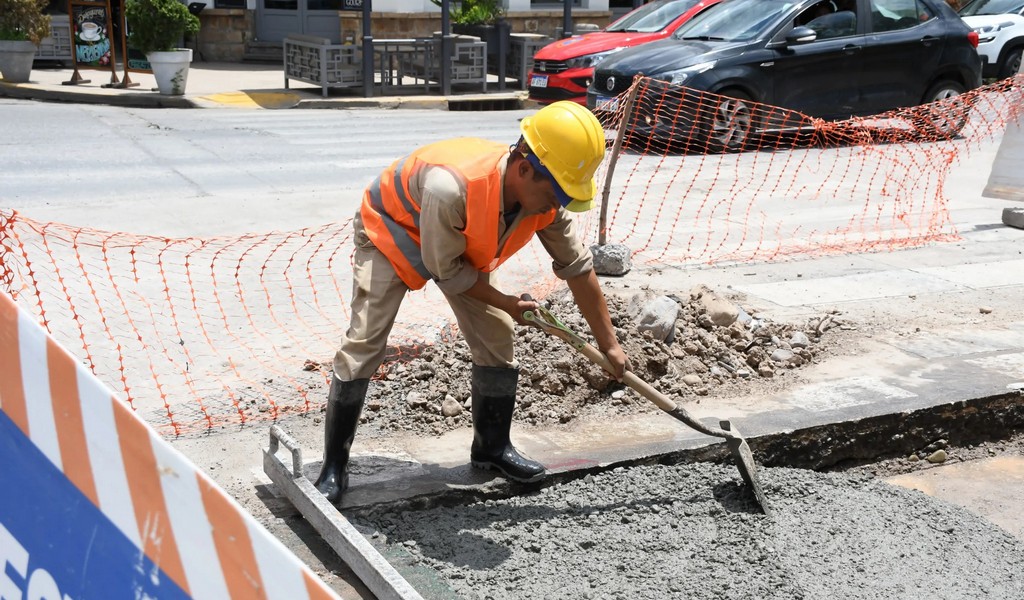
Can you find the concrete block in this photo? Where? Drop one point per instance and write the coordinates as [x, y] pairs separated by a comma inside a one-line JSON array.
[[1014, 217], [611, 259]]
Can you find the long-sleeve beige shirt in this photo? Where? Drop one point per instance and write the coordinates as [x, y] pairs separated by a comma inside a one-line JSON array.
[[442, 198]]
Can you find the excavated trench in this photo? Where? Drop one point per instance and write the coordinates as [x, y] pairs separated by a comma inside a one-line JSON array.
[[681, 527]]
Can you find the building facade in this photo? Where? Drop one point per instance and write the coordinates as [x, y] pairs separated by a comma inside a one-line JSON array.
[[236, 30]]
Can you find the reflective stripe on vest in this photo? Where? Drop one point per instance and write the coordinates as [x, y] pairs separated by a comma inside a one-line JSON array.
[[406, 245], [391, 215]]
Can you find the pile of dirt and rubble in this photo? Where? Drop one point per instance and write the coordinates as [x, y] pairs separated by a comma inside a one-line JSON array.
[[712, 347], [690, 531]]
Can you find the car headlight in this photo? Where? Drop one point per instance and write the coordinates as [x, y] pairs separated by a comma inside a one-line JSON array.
[[589, 60], [987, 33], [681, 76]]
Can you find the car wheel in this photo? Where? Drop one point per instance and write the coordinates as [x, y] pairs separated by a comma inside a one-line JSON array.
[[664, 122], [729, 125], [1011, 63], [943, 112]]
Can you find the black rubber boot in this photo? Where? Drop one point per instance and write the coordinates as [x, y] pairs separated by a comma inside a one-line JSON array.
[[494, 398], [344, 403]]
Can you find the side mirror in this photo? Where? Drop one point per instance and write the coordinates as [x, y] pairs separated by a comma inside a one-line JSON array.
[[800, 35]]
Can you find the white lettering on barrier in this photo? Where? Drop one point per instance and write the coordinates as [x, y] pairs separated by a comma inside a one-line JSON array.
[[14, 554], [40, 584]]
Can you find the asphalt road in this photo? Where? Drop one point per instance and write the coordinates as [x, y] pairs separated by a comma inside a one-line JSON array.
[[210, 172]]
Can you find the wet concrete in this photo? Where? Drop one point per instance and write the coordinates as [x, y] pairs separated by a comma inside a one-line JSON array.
[[902, 394], [691, 531], [656, 531]]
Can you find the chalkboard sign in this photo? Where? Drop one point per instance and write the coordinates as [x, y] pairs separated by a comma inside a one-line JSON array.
[[136, 59], [93, 39], [92, 35]]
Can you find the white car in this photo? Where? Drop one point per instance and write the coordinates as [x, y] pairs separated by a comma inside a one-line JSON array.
[[1000, 28]]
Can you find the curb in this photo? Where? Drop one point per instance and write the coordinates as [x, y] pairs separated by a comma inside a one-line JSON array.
[[440, 103], [21, 91], [830, 446]]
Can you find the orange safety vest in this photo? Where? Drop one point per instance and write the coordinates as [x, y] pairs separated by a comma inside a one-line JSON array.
[[391, 215]]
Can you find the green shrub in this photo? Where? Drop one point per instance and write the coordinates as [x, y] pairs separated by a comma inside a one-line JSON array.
[[24, 20], [475, 12], [158, 25]]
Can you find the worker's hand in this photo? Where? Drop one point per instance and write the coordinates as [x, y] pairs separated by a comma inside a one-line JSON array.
[[619, 362], [520, 305]]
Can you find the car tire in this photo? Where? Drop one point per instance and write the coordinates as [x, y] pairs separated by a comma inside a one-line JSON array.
[[946, 120], [1010, 65], [728, 126]]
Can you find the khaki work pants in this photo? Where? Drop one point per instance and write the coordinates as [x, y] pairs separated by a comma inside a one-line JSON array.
[[377, 294]]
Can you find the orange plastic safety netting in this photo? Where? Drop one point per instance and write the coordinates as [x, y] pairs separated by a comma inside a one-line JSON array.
[[203, 332], [198, 333], [710, 178]]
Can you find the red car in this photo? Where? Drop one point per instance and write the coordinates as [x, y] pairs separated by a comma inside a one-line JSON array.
[[562, 70]]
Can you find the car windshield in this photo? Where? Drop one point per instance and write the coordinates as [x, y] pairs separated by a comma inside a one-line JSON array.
[[734, 20], [652, 17], [992, 7]]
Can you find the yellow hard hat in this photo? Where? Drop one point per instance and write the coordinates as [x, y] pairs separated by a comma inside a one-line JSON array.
[[569, 141]]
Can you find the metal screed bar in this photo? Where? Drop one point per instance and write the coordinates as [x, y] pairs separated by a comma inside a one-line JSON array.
[[377, 573]]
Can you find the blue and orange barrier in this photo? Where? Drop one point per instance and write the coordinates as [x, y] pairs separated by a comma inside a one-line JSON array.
[[95, 504]]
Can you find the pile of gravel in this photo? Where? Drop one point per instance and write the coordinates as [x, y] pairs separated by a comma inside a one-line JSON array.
[[712, 347], [691, 531]]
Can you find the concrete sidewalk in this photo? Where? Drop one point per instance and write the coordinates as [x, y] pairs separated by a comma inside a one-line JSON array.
[[224, 85]]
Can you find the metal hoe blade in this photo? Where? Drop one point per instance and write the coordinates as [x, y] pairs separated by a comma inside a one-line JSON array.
[[745, 462]]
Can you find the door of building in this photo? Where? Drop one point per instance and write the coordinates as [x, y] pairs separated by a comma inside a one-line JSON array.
[[275, 19]]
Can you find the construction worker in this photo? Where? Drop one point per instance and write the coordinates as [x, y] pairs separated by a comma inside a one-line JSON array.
[[452, 212]]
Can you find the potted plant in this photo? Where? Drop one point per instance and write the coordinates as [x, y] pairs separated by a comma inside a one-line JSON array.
[[155, 28], [477, 12], [484, 19], [22, 26]]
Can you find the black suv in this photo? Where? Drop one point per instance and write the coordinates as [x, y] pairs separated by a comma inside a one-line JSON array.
[[831, 59]]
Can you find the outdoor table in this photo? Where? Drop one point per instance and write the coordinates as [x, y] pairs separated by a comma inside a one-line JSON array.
[[395, 55]]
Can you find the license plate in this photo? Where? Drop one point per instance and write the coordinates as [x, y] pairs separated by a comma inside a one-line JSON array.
[[540, 81], [606, 103]]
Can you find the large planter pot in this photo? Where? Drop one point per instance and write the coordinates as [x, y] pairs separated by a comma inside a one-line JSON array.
[[16, 60], [497, 36], [170, 70]]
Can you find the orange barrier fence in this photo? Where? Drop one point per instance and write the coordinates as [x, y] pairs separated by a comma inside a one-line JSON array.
[[709, 178], [204, 333]]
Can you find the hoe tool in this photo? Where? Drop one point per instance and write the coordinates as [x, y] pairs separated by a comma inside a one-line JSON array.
[[548, 323]]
